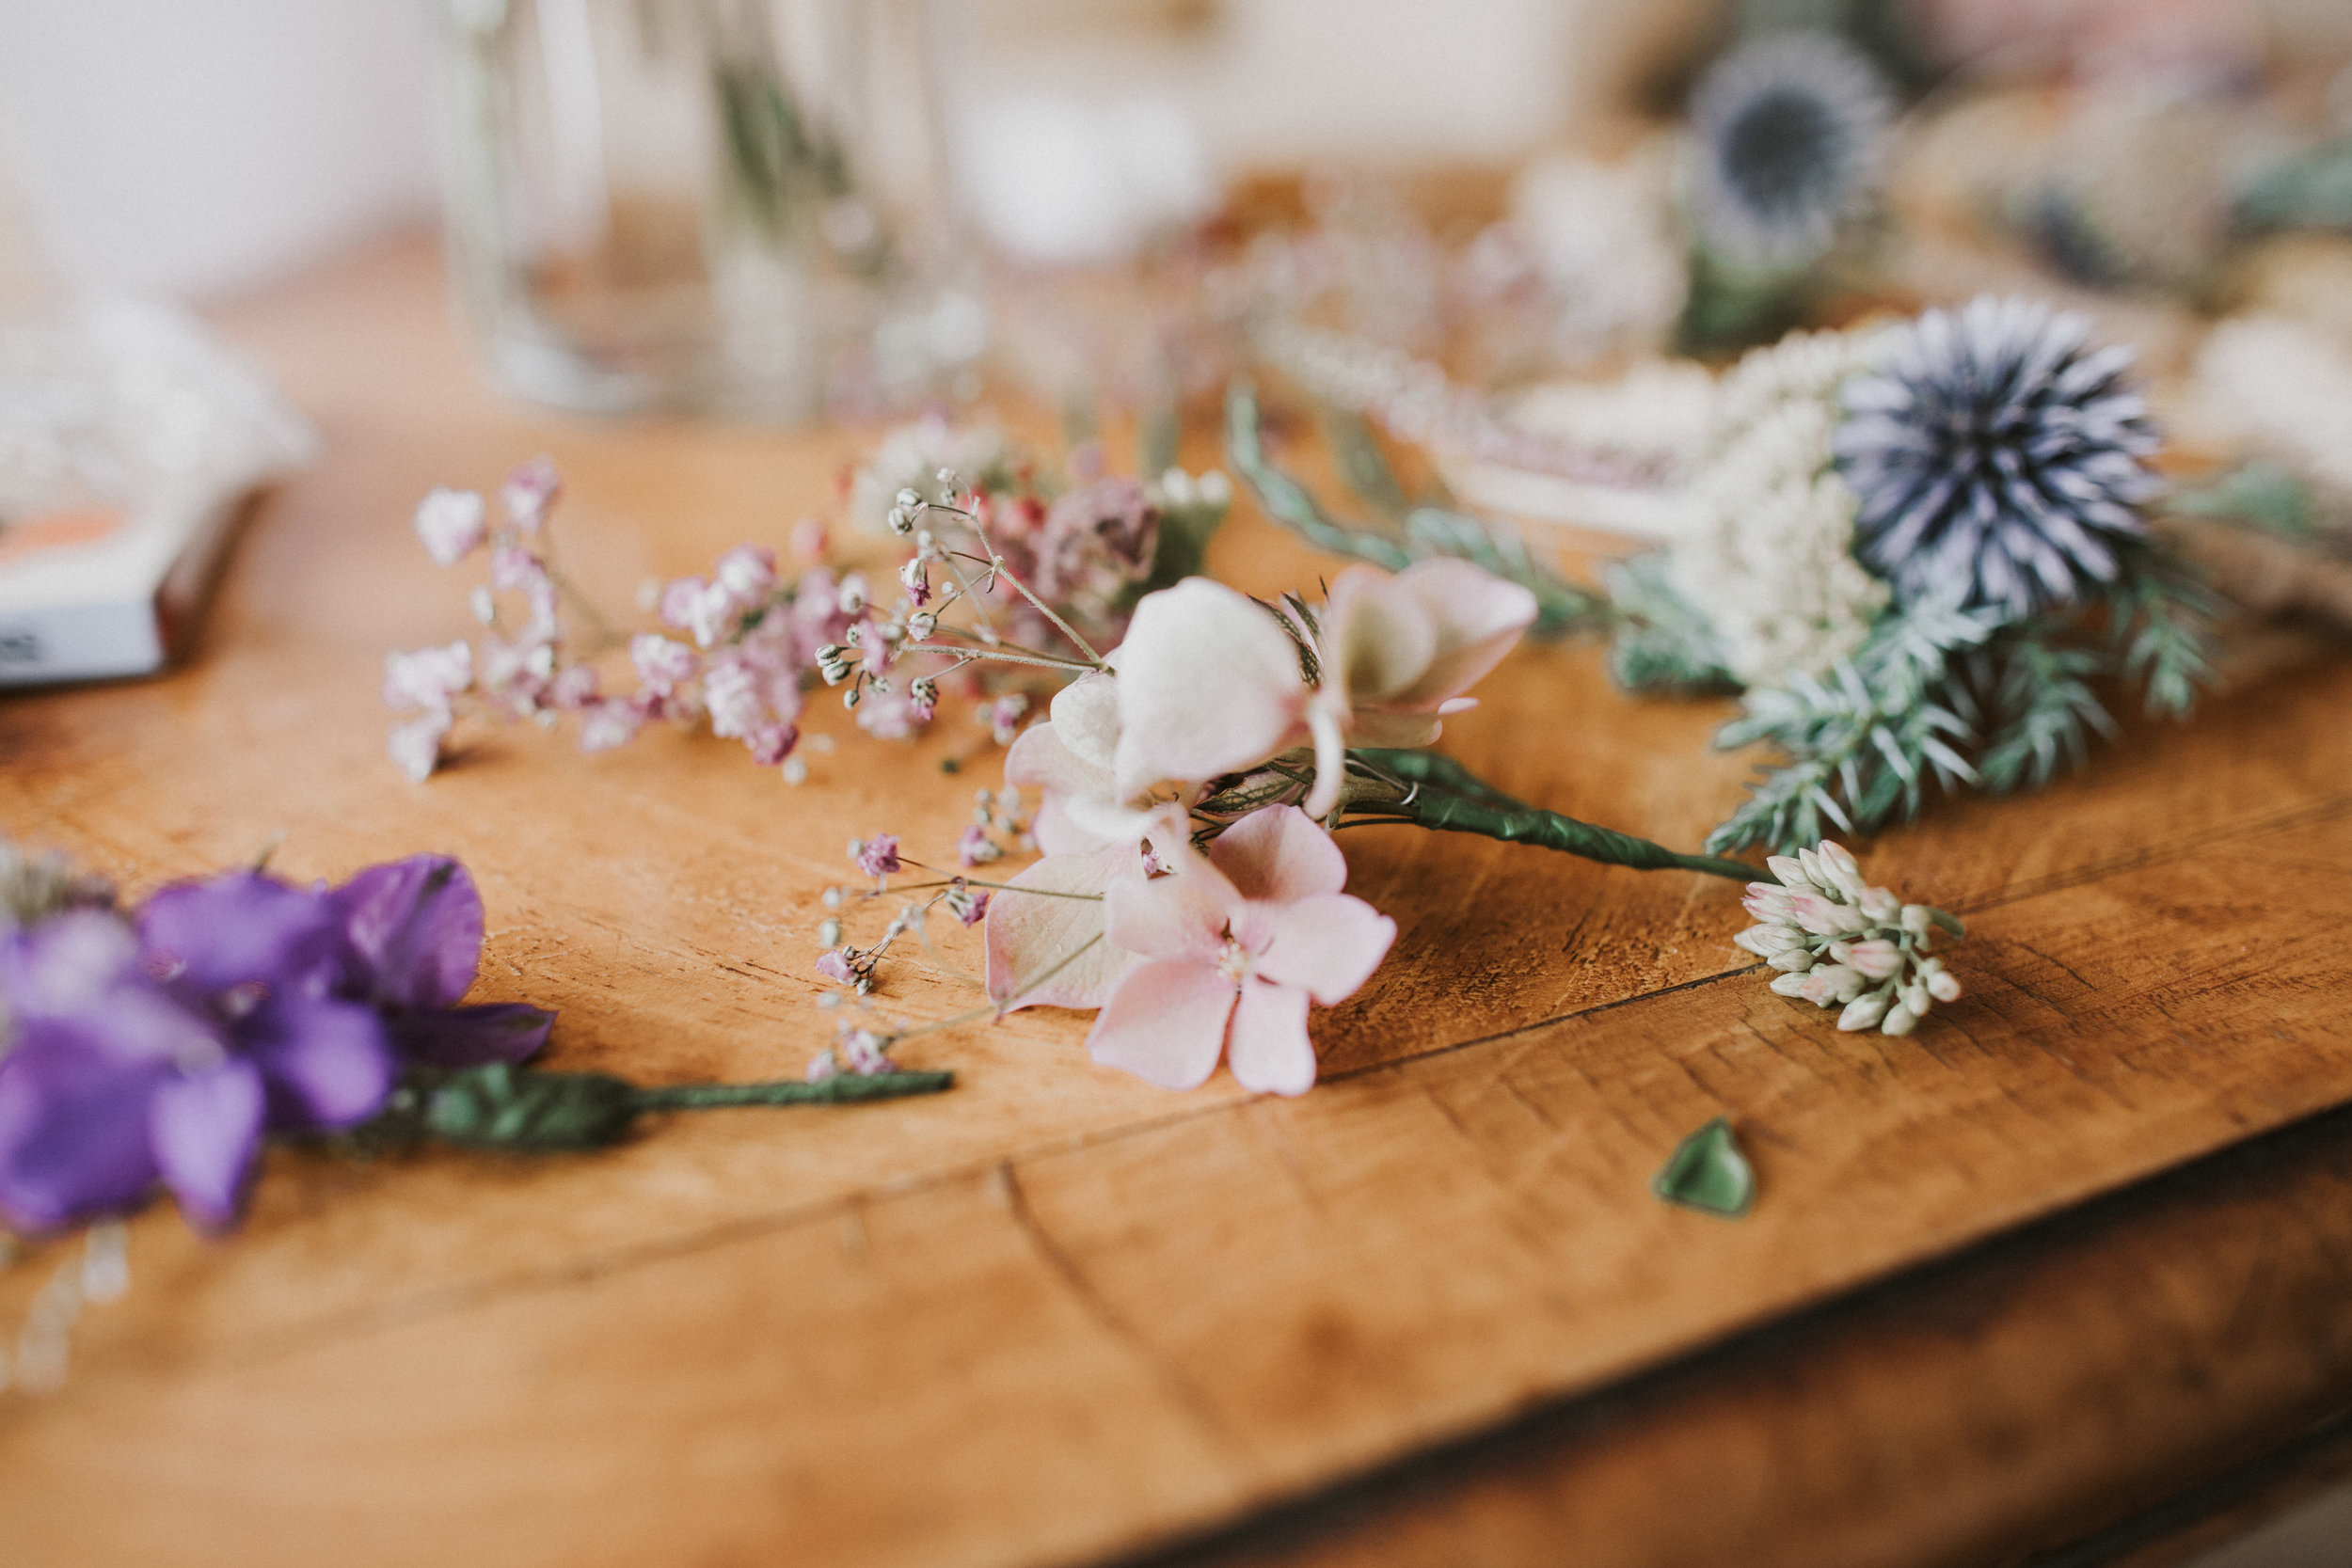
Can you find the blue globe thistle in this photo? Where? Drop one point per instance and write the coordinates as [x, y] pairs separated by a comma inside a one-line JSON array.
[[1790, 132], [1995, 456]]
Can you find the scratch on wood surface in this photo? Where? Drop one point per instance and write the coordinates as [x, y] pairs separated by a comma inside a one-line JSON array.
[[1189, 1398]]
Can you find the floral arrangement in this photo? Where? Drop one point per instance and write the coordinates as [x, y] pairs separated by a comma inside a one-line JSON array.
[[1914, 547]]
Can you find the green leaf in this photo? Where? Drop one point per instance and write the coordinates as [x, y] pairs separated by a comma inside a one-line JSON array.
[[1706, 1171]]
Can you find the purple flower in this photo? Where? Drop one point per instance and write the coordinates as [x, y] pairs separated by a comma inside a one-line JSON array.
[[876, 856], [412, 946], [233, 1008]]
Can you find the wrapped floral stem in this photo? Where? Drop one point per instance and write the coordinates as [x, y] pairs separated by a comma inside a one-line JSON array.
[[1442, 794], [498, 1106]]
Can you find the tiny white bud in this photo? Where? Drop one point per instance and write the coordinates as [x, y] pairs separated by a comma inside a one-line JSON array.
[[1915, 996], [850, 698], [920, 625], [901, 521], [830, 898], [851, 599], [1862, 1012], [485, 606], [829, 934], [1788, 985], [1916, 919], [1880, 905], [796, 770], [947, 477], [1944, 986], [1792, 960], [1790, 873], [909, 499], [1215, 487], [1899, 1020]]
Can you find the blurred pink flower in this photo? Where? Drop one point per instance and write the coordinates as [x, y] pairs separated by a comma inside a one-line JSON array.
[[1235, 946], [451, 524]]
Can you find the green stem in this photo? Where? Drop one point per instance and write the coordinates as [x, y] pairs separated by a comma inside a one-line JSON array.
[[839, 1089], [1457, 813]]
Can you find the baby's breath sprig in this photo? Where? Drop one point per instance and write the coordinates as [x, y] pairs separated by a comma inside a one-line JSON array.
[[1836, 940]]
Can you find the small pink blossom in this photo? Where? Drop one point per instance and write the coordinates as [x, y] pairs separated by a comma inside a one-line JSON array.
[[772, 743], [517, 674], [451, 524], [747, 572], [416, 747], [529, 491], [731, 692], [662, 665], [915, 578], [974, 848], [574, 688], [1235, 946], [891, 715], [427, 677], [834, 965], [876, 856], [608, 723], [970, 909]]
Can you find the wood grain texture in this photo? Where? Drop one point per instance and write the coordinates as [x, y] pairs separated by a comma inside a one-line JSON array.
[[1058, 1315]]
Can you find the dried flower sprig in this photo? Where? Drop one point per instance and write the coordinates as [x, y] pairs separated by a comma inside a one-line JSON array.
[[1837, 941], [1005, 572]]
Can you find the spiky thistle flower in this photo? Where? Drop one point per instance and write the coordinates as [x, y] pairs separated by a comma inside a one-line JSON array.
[[1997, 456], [1790, 134]]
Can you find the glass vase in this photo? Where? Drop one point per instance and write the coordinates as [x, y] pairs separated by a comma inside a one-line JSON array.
[[734, 207]]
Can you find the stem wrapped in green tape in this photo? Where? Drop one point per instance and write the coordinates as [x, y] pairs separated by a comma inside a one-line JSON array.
[[1448, 797], [525, 1110]]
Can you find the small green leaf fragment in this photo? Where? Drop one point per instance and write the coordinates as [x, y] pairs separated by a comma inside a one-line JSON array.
[[1706, 1171]]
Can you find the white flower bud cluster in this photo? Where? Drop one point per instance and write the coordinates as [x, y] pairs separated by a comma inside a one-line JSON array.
[[1835, 941]]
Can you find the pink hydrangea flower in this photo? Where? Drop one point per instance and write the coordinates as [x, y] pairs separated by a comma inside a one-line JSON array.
[[451, 524], [610, 722], [1212, 682], [1235, 946], [662, 665]]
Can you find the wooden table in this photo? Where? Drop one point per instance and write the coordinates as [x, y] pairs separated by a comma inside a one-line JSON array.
[[2083, 1241]]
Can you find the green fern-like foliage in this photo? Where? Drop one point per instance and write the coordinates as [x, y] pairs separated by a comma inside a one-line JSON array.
[[1425, 530]]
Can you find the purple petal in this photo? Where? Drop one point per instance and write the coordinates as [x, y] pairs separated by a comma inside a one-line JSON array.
[[73, 1129], [327, 1064], [469, 1036], [240, 930], [415, 926], [207, 1129]]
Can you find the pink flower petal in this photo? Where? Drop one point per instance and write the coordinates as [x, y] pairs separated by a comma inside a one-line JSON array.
[[1279, 854], [1377, 636], [1039, 760], [1169, 918], [1207, 684], [1478, 617], [1165, 1023], [1030, 934], [1327, 945], [1269, 1051]]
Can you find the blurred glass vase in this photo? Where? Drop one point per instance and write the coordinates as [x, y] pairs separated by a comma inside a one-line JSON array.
[[734, 207]]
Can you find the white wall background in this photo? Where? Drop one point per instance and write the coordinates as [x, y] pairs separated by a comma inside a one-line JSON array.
[[198, 148]]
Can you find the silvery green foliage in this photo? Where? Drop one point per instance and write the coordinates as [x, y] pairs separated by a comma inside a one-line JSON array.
[[1790, 133], [1993, 448]]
